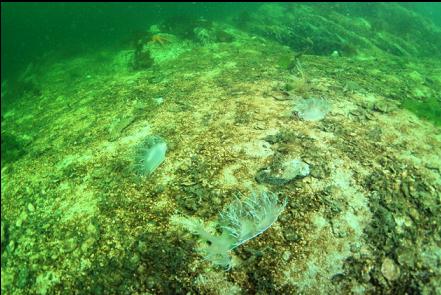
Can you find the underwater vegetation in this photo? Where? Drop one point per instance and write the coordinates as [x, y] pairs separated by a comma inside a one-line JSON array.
[[429, 109], [142, 58], [150, 154], [240, 222], [366, 30]]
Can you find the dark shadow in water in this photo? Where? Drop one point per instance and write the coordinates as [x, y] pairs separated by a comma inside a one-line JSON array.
[[12, 148]]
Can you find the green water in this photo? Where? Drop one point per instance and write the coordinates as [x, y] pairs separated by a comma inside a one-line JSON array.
[[29, 30], [221, 148]]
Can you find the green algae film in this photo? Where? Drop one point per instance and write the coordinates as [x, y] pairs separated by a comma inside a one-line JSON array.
[[429, 109], [332, 109]]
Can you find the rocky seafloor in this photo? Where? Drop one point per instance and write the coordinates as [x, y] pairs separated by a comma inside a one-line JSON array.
[[77, 218]]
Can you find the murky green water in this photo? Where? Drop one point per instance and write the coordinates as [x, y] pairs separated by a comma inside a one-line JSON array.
[[221, 148]]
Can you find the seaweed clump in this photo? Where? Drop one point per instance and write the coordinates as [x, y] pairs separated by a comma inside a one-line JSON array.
[[141, 41], [142, 58]]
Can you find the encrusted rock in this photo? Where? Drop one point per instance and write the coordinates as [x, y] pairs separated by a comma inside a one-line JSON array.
[[287, 171]]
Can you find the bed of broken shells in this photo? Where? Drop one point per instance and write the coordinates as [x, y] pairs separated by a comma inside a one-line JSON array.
[[76, 217]]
